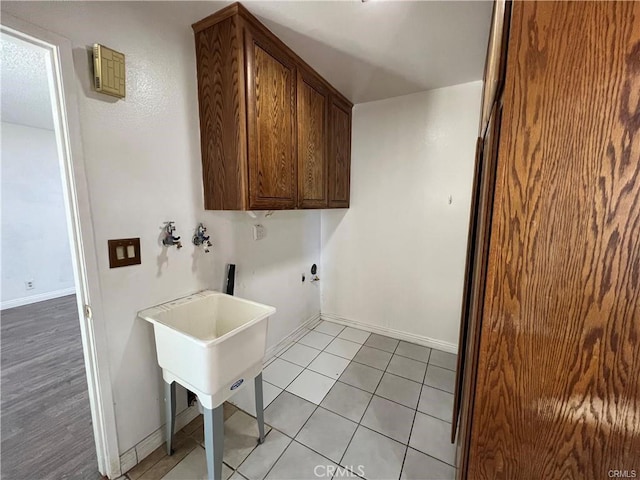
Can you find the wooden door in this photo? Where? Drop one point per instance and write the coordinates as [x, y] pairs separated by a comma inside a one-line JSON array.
[[271, 116], [339, 154], [313, 102], [558, 386]]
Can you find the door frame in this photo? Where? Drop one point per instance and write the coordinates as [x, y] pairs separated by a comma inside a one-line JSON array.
[[80, 225]]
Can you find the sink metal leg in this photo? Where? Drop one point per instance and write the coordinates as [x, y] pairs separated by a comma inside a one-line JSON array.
[[170, 413], [214, 441], [259, 407]]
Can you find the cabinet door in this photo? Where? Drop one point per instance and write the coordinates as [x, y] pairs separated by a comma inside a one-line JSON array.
[[271, 115], [313, 101], [339, 154]]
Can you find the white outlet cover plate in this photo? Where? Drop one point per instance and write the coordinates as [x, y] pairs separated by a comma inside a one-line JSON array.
[[259, 232]]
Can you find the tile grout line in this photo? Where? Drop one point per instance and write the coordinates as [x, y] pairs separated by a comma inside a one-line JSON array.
[[367, 408], [415, 414]]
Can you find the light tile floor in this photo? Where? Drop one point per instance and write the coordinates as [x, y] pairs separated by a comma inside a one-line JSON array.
[[339, 402]]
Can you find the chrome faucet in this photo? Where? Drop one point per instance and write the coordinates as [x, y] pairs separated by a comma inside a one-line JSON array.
[[199, 238], [170, 239]]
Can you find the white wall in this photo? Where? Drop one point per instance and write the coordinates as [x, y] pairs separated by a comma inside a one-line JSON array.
[[35, 242], [142, 158], [396, 258]]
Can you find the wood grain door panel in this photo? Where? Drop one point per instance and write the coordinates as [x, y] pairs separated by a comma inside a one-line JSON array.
[[313, 102], [558, 386], [271, 89], [339, 154]]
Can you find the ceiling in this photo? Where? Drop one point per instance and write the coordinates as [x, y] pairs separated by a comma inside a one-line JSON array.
[[25, 96], [367, 50], [380, 49]]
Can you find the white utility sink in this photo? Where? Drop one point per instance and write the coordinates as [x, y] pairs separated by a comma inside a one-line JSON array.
[[210, 343]]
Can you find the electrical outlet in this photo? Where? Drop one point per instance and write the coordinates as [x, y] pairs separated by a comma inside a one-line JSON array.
[[28, 285], [259, 232]]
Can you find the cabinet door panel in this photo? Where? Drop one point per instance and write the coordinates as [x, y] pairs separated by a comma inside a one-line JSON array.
[[339, 155], [271, 77], [312, 143]]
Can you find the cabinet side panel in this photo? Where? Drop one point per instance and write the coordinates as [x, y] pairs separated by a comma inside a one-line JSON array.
[[222, 116], [340, 156], [558, 387]]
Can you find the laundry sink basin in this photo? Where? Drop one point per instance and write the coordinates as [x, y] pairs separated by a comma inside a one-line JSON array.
[[210, 342]]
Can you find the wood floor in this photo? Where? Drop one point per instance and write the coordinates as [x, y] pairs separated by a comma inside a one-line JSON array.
[[46, 421]]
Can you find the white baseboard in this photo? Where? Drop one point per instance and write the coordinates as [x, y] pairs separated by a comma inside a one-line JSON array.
[[143, 449], [390, 332], [292, 337], [40, 297]]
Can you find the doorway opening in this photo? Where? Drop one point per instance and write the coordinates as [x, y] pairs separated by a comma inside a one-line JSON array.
[[46, 415], [55, 368]]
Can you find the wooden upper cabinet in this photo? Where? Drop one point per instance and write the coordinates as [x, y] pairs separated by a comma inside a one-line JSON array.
[[313, 104], [271, 115], [339, 153], [274, 134]]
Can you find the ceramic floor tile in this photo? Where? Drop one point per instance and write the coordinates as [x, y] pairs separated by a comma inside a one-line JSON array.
[[433, 437], [288, 413], [329, 365], [361, 376], [311, 386], [389, 418], [418, 466], [327, 433], [416, 352], [373, 357], [316, 340], [436, 403], [398, 389], [443, 359], [354, 335], [194, 467], [407, 368], [258, 464], [329, 328], [245, 399], [380, 457], [237, 476], [300, 463], [343, 348], [348, 401], [240, 438], [281, 373], [387, 344], [440, 378], [300, 354]]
